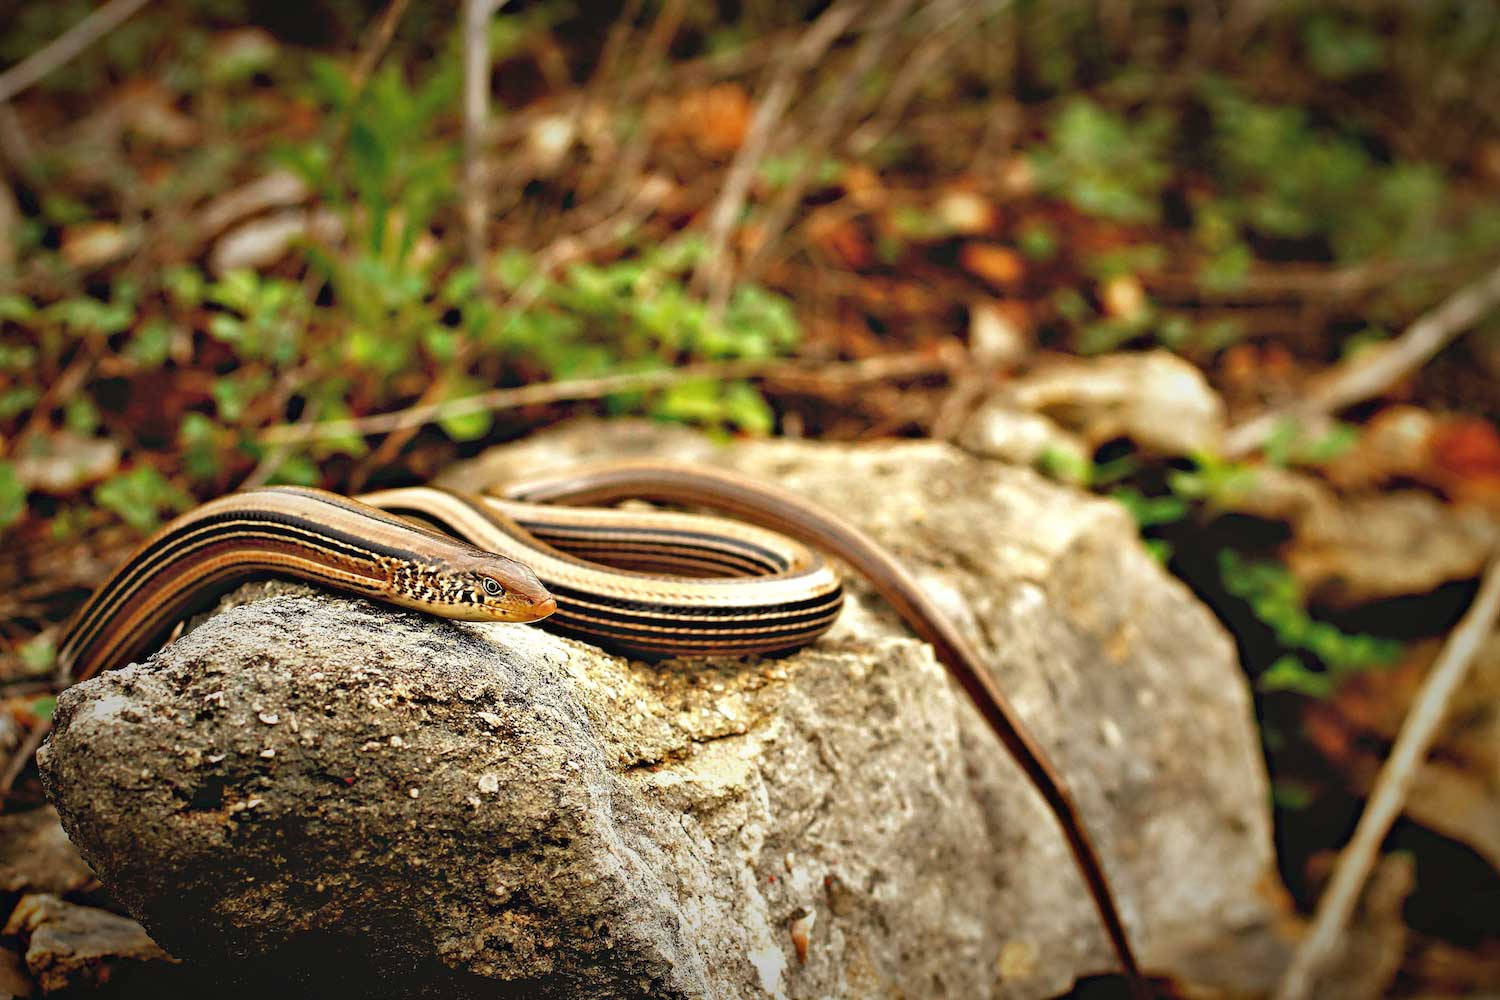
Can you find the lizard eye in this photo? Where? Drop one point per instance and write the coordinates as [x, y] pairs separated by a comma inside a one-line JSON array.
[[492, 588]]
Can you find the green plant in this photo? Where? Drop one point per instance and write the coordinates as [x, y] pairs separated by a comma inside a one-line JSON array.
[[637, 314], [1293, 178], [1105, 165], [1291, 443], [140, 496], [1320, 654]]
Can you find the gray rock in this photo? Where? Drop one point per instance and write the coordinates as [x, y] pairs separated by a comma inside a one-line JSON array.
[[446, 807], [1155, 398], [72, 947]]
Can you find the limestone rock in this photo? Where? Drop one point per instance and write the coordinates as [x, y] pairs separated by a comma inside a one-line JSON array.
[[71, 947], [447, 808], [1155, 398]]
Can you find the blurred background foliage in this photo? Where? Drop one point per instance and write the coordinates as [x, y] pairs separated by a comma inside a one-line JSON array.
[[214, 230]]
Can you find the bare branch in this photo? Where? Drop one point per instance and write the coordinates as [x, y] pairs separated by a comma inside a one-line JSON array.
[[477, 14], [835, 112], [868, 370], [1371, 373], [65, 46], [1388, 797], [22, 757], [715, 272], [940, 33]]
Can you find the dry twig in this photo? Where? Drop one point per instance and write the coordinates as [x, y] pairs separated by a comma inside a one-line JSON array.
[[868, 370], [714, 273], [477, 14], [835, 112], [22, 757], [65, 46], [1391, 787], [1371, 373], [940, 33]]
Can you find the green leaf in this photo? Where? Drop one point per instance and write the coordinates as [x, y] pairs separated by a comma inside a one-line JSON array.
[[233, 393], [16, 357], [1338, 49], [745, 407], [1037, 241], [151, 343], [39, 655], [81, 415], [202, 441], [296, 470], [140, 496], [1064, 465], [1151, 511], [18, 400], [16, 308], [1291, 795], [1288, 674], [12, 495], [468, 426], [691, 401]]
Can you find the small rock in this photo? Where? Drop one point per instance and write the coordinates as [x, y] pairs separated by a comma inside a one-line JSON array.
[[996, 339], [998, 430], [1154, 398], [79, 947], [965, 212]]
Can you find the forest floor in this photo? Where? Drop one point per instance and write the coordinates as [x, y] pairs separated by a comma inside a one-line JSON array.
[[1240, 263]]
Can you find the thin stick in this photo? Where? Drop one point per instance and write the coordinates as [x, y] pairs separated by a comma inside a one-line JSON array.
[[938, 37], [1318, 948], [715, 272], [65, 46], [23, 756], [868, 370], [834, 113], [1373, 372], [477, 14]]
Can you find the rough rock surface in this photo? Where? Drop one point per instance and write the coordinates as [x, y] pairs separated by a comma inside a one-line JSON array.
[[446, 807]]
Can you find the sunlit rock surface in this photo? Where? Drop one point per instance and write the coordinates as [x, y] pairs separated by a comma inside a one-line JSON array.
[[316, 786]]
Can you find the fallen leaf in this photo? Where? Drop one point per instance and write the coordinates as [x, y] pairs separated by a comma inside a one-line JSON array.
[[62, 462], [262, 241], [863, 187], [1467, 448], [91, 244], [997, 265], [840, 236], [277, 189], [714, 120]]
